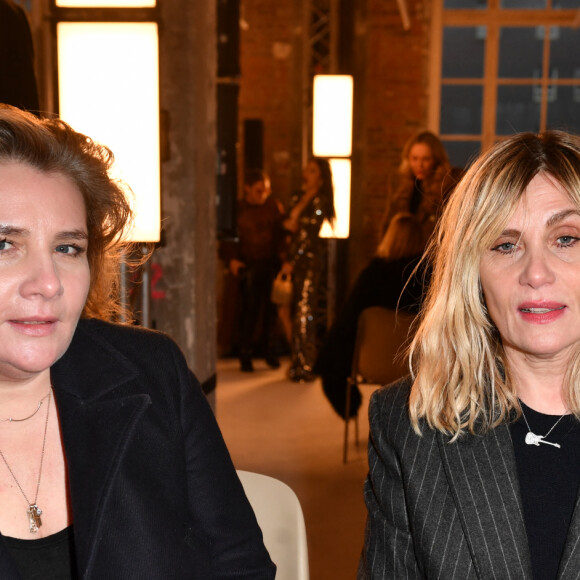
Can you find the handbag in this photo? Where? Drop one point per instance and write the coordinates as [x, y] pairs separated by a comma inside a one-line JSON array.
[[281, 290]]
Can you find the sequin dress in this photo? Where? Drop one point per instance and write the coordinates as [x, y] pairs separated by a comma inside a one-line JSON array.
[[307, 254]]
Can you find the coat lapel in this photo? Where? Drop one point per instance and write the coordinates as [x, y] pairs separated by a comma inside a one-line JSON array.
[[483, 480], [98, 422], [570, 562]]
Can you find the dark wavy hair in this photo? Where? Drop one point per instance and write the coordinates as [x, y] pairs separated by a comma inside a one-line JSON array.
[[326, 191], [52, 146]]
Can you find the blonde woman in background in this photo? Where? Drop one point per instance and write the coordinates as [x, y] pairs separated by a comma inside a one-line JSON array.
[[424, 181], [388, 280]]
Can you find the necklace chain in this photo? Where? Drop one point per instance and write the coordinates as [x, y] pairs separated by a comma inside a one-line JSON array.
[[12, 419], [533, 439], [33, 512]]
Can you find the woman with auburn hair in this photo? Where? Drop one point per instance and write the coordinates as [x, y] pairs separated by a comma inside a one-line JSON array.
[[425, 178], [111, 461], [474, 469]]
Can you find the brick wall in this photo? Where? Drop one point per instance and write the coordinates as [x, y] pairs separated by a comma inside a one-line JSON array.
[[390, 66]]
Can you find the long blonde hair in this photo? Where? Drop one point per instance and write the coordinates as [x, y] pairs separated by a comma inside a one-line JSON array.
[[461, 380], [402, 239]]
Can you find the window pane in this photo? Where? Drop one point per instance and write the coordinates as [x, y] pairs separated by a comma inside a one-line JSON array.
[[523, 4], [565, 4], [461, 110], [520, 52], [466, 4], [564, 45], [564, 108], [462, 153], [463, 50], [518, 109]]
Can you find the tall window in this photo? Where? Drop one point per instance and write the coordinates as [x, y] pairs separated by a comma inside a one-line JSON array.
[[501, 67]]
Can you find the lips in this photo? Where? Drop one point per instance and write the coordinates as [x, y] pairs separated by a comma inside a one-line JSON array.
[[541, 312], [540, 307], [34, 327]]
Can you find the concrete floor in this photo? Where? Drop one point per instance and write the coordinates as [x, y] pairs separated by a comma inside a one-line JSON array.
[[289, 431]]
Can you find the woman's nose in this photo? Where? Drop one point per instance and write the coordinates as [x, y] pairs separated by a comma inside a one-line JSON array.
[[41, 278], [537, 269]]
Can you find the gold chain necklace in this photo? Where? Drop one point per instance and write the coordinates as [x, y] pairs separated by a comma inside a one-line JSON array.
[[33, 512], [12, 419]]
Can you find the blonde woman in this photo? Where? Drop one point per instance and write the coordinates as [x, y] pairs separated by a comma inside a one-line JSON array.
[[473, 460], [425, 178], [386, 281]]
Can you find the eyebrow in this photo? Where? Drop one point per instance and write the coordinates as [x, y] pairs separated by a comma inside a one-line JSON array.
[[554, 219], [73, 235], [562, 215], [78, 234], [6, 230]]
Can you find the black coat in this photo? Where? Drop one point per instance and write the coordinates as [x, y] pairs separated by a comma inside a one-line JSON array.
[[381, 283], [153, 491]]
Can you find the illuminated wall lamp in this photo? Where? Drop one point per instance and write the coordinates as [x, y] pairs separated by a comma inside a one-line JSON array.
[[109, 89], [341, 182], [332, 138]]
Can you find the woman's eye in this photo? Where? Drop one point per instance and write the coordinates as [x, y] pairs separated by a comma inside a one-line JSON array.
[[5, 245], [505, 248], [69, 249], [564, 241]]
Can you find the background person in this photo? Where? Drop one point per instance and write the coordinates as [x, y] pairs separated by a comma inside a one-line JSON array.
[[111, 463], [424, 181], [306, 261], [474, 467], [18, 85], [389, 281], [254, 260]]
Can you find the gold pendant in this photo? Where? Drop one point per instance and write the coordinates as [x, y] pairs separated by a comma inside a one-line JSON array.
[[34, 521]]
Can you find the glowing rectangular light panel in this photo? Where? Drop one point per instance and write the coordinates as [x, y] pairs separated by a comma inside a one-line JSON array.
[[109, 89], [332, 116], [341, 183]]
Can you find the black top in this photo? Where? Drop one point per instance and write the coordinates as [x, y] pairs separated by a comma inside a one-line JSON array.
[[549, 477], [50, 558]]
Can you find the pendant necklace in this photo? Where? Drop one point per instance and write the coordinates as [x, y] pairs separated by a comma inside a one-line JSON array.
[[12, 419], [33, 512], [533, 439]]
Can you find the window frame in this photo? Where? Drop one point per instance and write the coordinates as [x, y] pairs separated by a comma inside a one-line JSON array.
[[493, 18]]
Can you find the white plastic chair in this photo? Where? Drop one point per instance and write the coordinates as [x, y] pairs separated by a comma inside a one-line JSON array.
[[280, 516]]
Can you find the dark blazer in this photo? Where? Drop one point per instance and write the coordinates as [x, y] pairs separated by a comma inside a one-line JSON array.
[[154, 493], [445, 510]]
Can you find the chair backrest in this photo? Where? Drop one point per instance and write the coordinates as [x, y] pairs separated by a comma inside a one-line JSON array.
[[382, 334], [280, 516]]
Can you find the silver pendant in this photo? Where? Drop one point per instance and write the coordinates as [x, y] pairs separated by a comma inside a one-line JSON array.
[[34, 521], [533, 439]]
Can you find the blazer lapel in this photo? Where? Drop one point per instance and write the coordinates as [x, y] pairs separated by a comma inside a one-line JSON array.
[[482, 476], [570, 562], [97, 426]]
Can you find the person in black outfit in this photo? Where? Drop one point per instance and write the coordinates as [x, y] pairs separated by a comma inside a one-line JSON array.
[[112, 464], [17, 79], [254, 260], [388, 280]]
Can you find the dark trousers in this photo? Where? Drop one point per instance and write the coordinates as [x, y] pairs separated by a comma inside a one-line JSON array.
[[257, 313]]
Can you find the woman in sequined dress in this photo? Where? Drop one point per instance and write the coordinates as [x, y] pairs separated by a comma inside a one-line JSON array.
[[308, 210]]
